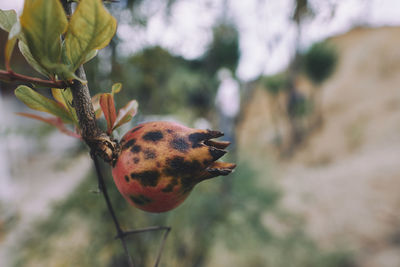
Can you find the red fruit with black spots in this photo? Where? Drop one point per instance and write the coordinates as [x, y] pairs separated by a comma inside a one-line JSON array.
[[161, 162]]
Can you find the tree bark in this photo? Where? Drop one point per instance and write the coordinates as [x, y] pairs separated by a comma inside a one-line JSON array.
[[98, 141]]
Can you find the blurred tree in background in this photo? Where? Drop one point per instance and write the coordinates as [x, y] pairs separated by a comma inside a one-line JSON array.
[[163, 83], [224, 49], [303, 109], [320, 61], [275, 83]]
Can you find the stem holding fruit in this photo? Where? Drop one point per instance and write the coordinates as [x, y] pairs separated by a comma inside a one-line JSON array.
[[104, 146]]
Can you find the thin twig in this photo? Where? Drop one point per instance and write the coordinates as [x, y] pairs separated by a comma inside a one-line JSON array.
[[103, 189], [121, 234], [160, 250], [151, 229], [146, 229], [10, 76]]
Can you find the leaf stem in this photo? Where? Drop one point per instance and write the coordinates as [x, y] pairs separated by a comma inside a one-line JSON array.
[[10, 76]]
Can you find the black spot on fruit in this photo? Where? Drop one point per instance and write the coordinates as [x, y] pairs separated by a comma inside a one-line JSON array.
[[187, 183], [127, 178], [136, 129], [170, 186], [128, 144], [136, 149], [179, 144], [169, 131], [178, 167], [153, 136], [140, 200], [146, 178], [149, 153], [136, 160], [196, 138]]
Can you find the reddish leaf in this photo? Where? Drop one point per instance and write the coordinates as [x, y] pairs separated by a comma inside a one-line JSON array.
[[57, 122], [108, 107], [126, 113]]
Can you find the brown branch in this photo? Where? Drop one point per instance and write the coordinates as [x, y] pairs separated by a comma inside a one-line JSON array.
[[98, 141], [10, 76], [102, 145]]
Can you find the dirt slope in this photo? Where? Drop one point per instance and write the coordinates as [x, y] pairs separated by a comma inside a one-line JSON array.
[[345, 179]]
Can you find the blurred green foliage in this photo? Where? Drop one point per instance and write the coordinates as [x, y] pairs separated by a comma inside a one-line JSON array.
[[300, 106], [224, 50], [275, 83], [164, 83], [320, 61]]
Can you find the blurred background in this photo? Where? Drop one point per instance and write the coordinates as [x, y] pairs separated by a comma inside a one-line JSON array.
[[308, 93]]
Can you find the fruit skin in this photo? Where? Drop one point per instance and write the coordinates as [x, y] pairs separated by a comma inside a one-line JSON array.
[[161, 162]]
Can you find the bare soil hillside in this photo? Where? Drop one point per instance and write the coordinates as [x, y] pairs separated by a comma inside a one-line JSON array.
[[345, 177]]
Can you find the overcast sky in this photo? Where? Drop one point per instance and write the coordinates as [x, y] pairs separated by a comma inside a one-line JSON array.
[[266, 33]]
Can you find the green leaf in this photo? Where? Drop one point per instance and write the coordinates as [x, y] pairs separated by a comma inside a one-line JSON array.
[[16, 31], [9, 23], [126, 113], [7, 19], [36, 101], [42, 23], [116, 88], [59, 97], [9, 49], [64, 97], [90, 55], [91, 27], [29, 58], [108, 107], [65, 73]]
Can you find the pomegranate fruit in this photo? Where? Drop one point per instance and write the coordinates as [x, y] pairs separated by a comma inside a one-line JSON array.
[[161, 162]]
